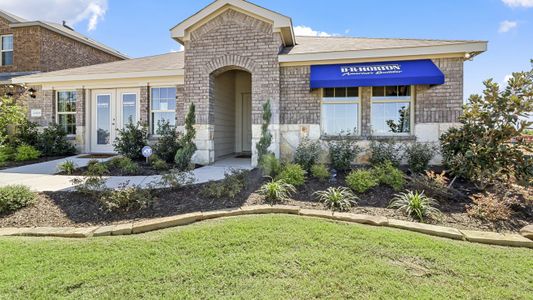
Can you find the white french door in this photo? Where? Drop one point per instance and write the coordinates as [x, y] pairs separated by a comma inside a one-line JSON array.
[[112, 110]]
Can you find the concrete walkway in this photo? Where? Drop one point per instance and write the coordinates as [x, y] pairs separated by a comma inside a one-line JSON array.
[[40, 177]]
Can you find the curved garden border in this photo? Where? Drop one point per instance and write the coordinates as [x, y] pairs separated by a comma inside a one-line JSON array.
[[491, 238]]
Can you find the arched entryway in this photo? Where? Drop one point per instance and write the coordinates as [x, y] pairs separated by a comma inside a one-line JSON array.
[[231, 100]]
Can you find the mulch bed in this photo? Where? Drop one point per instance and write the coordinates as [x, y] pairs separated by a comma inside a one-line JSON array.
[[145, 169], [76, 210], [14, 164]]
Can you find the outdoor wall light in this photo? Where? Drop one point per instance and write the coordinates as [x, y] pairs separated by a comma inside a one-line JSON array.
[[32, 92]]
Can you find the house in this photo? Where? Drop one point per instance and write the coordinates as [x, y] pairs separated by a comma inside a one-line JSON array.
[[29, 47], [236, 57]]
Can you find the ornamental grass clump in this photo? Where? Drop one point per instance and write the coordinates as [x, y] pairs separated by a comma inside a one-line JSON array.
[[337, 198], [361, 180], [68, 167], [415, 204], [276, 191]]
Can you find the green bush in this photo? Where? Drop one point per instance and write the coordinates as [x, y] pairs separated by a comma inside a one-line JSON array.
[[96, 168], [68, 167], [6, 154], [390, 175], [270, 165], [361, 180], [168, 142], [183, 157], [307, 153], [414, 204], [11, 116], [276, 191], [320, 172], [158, 164], [131, 140], [27, 134], [419, 155], [26, 153], [125, 165], [343, 153], [337, 198], [126, 198], [233, 183], [177, 179], [292, 174], [382, 152], [53, 141], [14, 197]]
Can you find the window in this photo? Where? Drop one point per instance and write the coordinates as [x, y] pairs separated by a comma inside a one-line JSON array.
[[391, 110], [7, 50], [163, 107], [66, 111], [340, 110], [129, 109]]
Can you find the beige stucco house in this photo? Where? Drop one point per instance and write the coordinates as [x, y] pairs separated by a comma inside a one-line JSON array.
[[236, 57]]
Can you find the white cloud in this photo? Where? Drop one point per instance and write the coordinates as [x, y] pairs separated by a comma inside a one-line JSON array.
[[180, 48], [303, 30], [518, 3], [72, 11], [506, 26]]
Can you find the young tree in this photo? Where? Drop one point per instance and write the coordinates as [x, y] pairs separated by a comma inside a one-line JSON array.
[[488, 147], [266, 137], [188, 147], [11, 116]]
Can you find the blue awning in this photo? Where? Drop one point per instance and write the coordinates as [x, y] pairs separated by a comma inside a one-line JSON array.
[[410, 72]]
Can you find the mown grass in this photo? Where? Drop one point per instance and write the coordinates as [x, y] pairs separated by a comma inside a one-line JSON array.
[[258, 257]]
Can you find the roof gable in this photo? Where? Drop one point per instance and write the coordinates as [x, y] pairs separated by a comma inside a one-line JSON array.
[[280, 23], [11, 18]]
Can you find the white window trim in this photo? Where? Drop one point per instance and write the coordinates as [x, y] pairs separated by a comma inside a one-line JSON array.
[[410, 99], [346, 100], [151, 116], [2, 50], [57, 113], [137, 107]]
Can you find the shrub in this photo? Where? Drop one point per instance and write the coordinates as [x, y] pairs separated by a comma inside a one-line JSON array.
[[270, 165], [11, 115], [361, 180], [96, 168], [343, 153], [183, 156], [125, 165], [68, 167], [27, 134], [307, 153], [233, 183], [275, 191], [131, 140], [419, 155], [53, 141], [434, 185], [26, 153], [14, 197], [158, 164], [390, 175], [6, 154], [414, 204], [481, 149], [382, 152], [126, 198], [168, 143], [292, 174], [491, 206], [177, 179], [320, 172], [337, 198], [266, 137]]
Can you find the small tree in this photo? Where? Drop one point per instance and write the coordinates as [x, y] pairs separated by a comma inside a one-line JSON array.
[[266, 137], [11, 115], [184, 155], [488, 148], [131, 140]]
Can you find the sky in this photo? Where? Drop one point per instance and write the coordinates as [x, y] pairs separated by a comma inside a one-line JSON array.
[[141, 27]]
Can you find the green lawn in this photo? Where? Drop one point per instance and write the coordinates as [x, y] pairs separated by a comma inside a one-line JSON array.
[[270, 257]]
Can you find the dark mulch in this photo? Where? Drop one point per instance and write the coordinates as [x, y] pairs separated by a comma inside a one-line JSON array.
[[145, 169], [73, 209], [14, 164]]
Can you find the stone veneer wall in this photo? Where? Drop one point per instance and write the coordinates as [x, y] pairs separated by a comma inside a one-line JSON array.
[[232, 40]]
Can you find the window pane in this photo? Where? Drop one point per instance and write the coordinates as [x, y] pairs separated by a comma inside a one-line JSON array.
[[7, 42], [353, 92], [404, 91], [129, 109], [170, 117], [164, 99], [378, 91], [103, 119], [391, 91], [329, 93], [67, 122], [7, 58], [66, 102], [340, 93], [338, 118], [390, 118]]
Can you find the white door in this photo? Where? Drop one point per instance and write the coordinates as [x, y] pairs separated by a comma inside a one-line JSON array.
[[112, 110], [247, 122]]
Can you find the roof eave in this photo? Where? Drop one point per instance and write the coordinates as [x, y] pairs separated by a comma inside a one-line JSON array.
[[109, 76]]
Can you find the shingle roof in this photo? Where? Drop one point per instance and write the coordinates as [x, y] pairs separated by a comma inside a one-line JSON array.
[[307, 45]]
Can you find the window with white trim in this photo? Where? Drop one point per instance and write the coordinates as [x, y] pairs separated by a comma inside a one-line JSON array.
[[163, 107], [66, 111], [392, 110], [6, 49], [340, 111]]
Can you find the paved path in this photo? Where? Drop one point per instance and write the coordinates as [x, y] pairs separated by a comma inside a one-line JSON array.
[[40, 177]]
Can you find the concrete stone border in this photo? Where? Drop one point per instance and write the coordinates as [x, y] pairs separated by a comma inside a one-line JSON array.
[[491, 238]]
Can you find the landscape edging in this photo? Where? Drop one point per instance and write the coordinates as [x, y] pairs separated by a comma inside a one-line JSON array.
[[137, 227]]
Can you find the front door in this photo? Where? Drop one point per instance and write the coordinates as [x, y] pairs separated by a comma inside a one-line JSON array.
[[112, 110], [247, 122]]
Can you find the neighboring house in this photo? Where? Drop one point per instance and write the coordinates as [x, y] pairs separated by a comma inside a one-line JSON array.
[[29, 47], [238, 56]]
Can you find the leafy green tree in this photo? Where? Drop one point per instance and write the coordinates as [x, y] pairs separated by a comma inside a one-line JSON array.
[[488, 148], [184, 155], [11, 116]]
